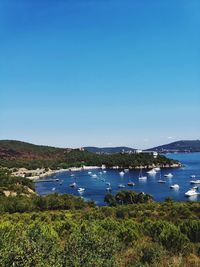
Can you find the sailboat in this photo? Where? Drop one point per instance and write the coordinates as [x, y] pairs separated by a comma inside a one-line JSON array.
[[130, 183], [141, 177]]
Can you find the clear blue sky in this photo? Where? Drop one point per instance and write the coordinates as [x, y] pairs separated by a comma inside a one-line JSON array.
[[103, 73]]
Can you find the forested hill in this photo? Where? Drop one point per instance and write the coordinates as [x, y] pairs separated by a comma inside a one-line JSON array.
[[109, 150], [179, 146], [20, 154], [11, 149]]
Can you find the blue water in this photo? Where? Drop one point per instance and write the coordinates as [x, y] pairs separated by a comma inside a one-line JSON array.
[[95, 188]]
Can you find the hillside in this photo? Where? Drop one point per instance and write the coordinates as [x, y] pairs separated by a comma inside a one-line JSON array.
[[11, 150], [109, 150], [179, 146], [19, 154]]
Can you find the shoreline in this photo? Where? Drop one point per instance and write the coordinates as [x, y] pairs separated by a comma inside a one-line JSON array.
[[41, 173]]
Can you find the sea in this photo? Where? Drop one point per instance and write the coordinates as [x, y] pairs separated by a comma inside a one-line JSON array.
[[95, 182]]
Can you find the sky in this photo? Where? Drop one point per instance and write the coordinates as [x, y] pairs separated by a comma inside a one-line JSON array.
[[99, 72]]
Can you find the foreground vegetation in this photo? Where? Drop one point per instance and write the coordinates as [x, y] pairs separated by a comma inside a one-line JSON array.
[[64, 230], [149, 234]]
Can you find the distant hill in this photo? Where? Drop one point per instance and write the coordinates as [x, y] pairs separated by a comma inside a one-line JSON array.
[[179, 146], [109, 150], [11, 149]]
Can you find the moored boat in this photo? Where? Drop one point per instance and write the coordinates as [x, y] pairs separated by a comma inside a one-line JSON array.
[[161, 181], [191, 192], [195, 182], [169, 175], [175, 186]]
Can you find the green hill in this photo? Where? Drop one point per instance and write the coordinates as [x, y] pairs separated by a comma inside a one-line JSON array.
[[179, 146]]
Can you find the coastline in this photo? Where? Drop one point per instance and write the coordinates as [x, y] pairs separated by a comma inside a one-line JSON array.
[[42, 173]]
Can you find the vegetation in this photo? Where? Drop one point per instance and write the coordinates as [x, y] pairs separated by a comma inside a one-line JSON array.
[[148, 234], [18, 154], [180, 146]]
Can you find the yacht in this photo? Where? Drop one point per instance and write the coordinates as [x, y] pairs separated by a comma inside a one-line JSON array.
[[193, 176], [130, 184], [81, 189], [195, 182], [73, 185], [169, 175], [161, 181], [157, 169], [121, 186], [94, 175], [152, 172], [174, 186], [191, 192], [89, 173], [141, 177], [121, 173], [109, 189]]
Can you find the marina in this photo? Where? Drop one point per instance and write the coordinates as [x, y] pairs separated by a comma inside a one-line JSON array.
[[97, 183]]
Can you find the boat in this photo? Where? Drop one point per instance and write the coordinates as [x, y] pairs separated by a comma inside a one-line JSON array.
[[121, 186], [141, 177], [73, 185], [126, 170], [121, 173], [169, 175], [130, 184], [193, 176], [94, 175], [175, 186], [152, 172], [104, 171], [161, 181], [195, 182], [195, 187], [72, 175], [157, 169], [89, 172], [109, 189], [191, 192], [53, 189], [81, 189]]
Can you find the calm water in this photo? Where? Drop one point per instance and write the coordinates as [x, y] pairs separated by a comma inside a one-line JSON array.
[[95, 187]]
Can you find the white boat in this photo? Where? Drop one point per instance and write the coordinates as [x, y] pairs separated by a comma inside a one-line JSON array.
[[94, 175], [161, 181], [130, 184], [89, 172], [73, 185], [152, 172], [53, 189], [157, 169], [72, 175], [109, 189], [104, 171], [169, 175], [141, 177], [195, 182], [193, 176], [195, 187], [121, 173], [191, 192], [121, 186], [175, 186], [126, 170], [81, 189]]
